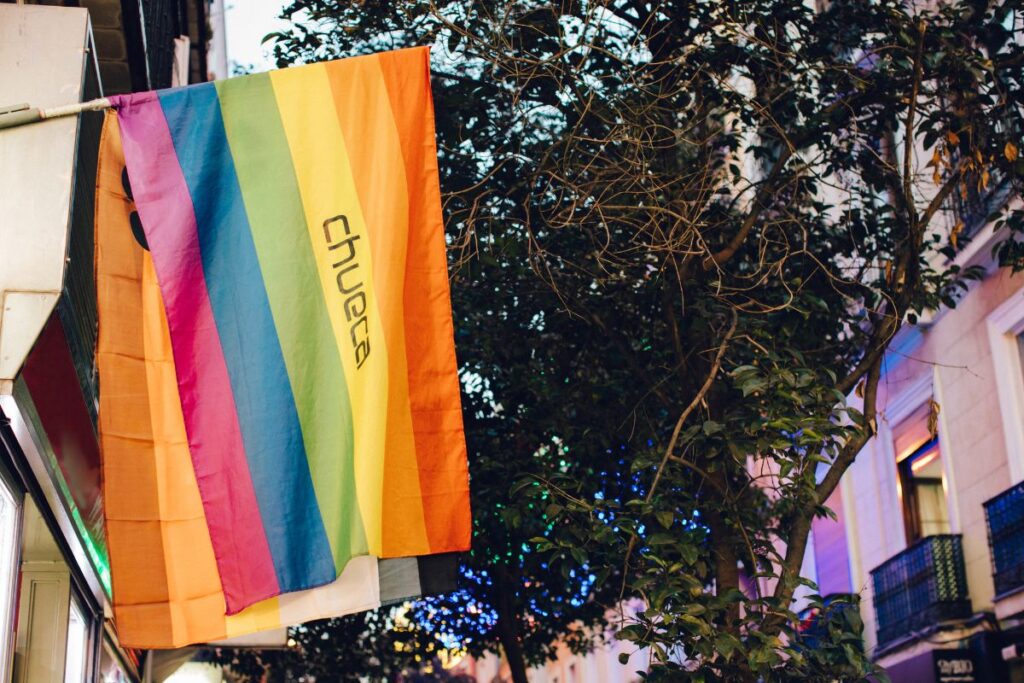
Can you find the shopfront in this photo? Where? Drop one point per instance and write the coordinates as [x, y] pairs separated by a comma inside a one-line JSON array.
[[52, 622], [54, 577]]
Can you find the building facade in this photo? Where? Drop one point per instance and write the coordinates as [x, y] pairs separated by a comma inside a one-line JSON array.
[[930, 518], [55, 624]]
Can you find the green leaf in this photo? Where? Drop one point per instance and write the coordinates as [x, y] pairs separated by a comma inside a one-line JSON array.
[[689, 553], [661, 538], [711, 427], [453, 41], [726, 644]]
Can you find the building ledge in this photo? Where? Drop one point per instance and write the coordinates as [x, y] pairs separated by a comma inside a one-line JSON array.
[[1007, 594], [917, 641]]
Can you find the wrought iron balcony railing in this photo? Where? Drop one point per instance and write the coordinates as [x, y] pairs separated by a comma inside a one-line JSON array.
[[164, 20], [920, 587], [1005, 517]]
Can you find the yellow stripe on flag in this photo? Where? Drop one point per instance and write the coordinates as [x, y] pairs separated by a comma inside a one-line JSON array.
[[263, 616], [339, 238], [384, 196]]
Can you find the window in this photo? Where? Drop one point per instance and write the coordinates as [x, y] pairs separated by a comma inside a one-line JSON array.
[[50, 623], [925, 512], [1005, 332], [78, 641], [10, 515], [111, 668], [922, 480]]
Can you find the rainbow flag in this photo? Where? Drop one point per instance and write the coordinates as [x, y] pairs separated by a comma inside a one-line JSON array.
[[295, 229], [166, 589]]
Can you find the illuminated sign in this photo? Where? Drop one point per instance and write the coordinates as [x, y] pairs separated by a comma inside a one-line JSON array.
[[954, 666]]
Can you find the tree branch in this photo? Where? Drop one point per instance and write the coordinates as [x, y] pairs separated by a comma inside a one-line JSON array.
[[766, 189], [716, 365], [908, 135], [796, 543], [853, 446]]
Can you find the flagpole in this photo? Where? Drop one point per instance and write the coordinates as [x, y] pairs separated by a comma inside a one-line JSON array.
[[22, 114]]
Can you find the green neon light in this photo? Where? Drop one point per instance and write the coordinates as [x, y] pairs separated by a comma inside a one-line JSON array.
[[93, 549]]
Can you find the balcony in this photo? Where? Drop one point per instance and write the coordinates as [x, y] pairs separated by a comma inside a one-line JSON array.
[[921, 587], [1005, 517]]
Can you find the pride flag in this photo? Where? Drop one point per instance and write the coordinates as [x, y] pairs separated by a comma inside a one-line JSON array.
[[166, 588], [295, 229]]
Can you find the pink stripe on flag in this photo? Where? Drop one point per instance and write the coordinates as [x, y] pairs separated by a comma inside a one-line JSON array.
[[168, 217]]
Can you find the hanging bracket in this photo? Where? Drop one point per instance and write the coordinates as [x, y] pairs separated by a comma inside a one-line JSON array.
[[14, 115]]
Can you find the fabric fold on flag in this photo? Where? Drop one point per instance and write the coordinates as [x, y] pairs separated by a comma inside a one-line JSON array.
[[296, 238]]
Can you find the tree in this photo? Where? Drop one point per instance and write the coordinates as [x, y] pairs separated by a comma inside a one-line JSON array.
[[684, 234]]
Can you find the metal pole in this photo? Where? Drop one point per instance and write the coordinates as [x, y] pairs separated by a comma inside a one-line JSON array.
[[23, 114]]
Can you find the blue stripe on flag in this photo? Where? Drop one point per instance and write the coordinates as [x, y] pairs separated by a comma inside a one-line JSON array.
[[259, 379]]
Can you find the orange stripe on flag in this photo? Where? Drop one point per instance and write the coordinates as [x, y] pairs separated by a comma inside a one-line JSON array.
[[434, 387], [166, 589]]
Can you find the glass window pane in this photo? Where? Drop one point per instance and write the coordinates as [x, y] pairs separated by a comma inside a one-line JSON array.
[[923, 486], [78, 641], [9, 516], [111, 670]]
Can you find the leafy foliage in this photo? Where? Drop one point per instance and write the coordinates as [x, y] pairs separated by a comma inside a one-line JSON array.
[[683, 235]]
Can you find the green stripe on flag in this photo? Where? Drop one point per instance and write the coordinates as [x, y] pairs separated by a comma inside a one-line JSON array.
[[270, 191]]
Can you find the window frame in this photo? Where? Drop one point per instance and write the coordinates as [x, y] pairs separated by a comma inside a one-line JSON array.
[[927, 386], [22, 464], [912, 523], [10, 600], [1005, 324]]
